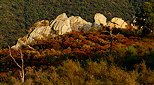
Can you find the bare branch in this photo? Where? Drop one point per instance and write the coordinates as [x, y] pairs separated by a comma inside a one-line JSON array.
[[22, 68], [21, 57], [22, 74], [13, 58]]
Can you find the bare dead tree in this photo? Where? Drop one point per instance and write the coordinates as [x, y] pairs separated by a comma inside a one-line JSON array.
[[22, 74]]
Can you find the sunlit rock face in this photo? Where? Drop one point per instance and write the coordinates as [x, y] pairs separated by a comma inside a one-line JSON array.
[[117, 23], [61, 24], [100, 19]]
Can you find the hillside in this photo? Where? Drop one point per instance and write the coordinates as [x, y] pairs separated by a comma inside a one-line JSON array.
[[89, 44], [82, 57], [19, 15]]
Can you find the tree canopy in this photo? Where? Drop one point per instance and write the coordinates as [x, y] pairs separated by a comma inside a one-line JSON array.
[[146, 17]]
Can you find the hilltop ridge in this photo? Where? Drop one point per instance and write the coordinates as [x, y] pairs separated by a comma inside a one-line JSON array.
[[19, 15], [41, 30]]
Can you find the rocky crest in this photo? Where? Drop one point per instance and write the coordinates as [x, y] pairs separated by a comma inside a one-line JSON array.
[[63, 24]]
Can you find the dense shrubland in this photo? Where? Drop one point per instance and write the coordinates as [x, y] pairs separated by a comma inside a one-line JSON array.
[[83, 57]]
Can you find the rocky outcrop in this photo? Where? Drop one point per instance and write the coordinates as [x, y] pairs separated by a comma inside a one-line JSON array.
[[76, 22], [38, 33], [61, 24], [43, 29], [100, 19], [117, 23]]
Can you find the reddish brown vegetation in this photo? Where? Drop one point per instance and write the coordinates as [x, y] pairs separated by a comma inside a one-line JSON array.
[[127, 52]]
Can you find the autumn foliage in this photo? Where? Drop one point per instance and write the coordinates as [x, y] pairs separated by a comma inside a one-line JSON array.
[[83, 58]]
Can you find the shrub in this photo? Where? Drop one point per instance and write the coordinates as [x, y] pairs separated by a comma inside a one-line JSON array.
[[131, 51]]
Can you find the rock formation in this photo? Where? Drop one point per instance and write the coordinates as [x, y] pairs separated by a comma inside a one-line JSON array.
[[100, 19], [43, 29], [76, 22], [62, 24], [117, 23], [39, 33]]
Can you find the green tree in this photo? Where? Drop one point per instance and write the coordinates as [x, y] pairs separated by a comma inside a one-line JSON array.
[[146, 17]]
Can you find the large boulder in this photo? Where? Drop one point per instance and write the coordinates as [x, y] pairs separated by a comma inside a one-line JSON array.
[[117, 20], [61, 24], [100, 19], [117, 23], [76, 22]]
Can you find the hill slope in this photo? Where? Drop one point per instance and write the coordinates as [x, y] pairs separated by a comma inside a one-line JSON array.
[[18, 15]]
